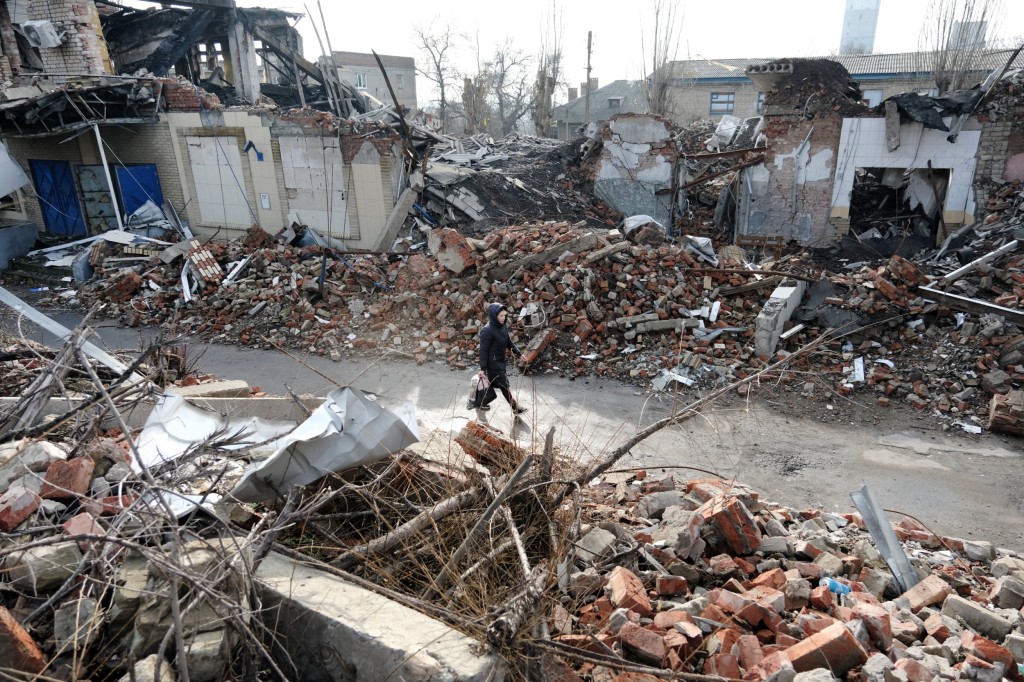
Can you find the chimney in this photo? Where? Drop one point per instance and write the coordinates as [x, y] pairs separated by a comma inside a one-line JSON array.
[[573, 94]]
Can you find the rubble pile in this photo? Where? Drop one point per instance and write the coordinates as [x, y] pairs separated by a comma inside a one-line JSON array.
[[817, 85], [590, 302], [121, 556], [704, 576]]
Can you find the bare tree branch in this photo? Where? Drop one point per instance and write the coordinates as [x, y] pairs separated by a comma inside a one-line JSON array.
[[953, 39], [659, 49]]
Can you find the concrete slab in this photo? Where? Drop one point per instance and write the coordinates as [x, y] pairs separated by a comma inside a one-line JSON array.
[[335, 631], [776, 312], [15, 242]]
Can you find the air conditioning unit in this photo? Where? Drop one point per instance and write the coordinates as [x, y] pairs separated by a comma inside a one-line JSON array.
[[41, 33]]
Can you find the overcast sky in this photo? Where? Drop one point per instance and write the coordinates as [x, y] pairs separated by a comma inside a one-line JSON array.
[[712, 30]]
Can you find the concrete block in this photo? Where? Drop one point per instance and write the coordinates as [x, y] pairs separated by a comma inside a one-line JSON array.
[[993, 624], [335, 631], [15, 242], [146, 670], [1015, 643], [594, 544], [874, 668], [653, 506], [1006, 566], [777, 310], [43, 568], [129, 587], [775, 545], [207, 654], [75, 624], [816, 675], [212, 389], [979, 551], [20, 457], [1007, 593]]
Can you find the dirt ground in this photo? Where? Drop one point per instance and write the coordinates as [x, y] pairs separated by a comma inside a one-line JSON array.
[[796, 449]]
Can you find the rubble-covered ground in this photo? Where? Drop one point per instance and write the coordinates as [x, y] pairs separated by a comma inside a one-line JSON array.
[[588, 302]]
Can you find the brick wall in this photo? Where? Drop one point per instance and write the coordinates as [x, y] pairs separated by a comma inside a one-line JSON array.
[[693, 101], [84, 50], [147, 143], [993, 150], [772, 208], [23, 149]]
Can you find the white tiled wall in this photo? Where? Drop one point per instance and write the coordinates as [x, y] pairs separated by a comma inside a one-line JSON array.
[[372, 205], [863, 145], [217, 171]]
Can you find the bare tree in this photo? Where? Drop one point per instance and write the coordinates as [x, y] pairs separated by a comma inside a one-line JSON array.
[[549, 74], [953, 40], [476, 91], [438, 46], [511, 85], [658, 49]]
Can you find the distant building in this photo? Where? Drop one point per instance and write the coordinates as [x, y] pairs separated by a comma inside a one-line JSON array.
[[711, 88], [361, 70], [618, 97], [859, 23]]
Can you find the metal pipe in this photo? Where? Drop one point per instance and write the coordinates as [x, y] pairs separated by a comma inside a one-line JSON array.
[[110, 180]]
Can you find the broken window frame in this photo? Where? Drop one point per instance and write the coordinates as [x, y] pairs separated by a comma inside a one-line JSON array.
[[13, 205], [722, 103], [361, 81], [614, 102], [869, 96], [760, 102], [400, 81]]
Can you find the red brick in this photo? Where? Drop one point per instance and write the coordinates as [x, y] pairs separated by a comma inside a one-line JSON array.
[[18, 651], [108, 506], [725, 665], [835, 648], [67, 480], [771, 665], [734, 523], [83, 524], [626, 591], [915, 670], [936, 628], [821, 598], [16, 505], [774, 578], [931, 590], [646, 646], [749, 652], [671, 585], [666, 619], [877, 621], [987, 650], [554, 669]]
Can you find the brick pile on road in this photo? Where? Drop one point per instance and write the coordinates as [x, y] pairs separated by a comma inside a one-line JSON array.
[[590, 303], [705, 576]]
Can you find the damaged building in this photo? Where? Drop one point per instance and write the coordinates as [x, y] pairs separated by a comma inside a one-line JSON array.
[[913, 165], [109, 108]]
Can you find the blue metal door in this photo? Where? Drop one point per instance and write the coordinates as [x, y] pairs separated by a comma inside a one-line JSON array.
[[55, 186], [139, 184]]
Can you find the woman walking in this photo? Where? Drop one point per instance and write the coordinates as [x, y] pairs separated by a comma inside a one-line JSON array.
[[495, 343]]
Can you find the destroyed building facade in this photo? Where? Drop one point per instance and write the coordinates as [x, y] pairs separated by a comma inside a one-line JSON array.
[[187, 108]]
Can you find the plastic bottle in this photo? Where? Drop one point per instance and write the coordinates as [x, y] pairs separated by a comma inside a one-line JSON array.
[[834, 586]]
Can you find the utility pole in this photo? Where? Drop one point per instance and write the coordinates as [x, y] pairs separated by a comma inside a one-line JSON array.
[[586, 104]]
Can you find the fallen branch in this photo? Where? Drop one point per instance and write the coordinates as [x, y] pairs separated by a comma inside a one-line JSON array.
[[408, 529], [518, 609]]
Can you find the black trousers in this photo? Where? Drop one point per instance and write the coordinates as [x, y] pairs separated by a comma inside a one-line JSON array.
[[499, 382]]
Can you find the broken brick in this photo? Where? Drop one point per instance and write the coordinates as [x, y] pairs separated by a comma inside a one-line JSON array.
[[16, 505], [835, 648], [67, 480], [646, 646], [626, 591], [18, 651]]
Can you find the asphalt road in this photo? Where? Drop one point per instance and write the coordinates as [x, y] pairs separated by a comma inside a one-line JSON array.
[[963, 487]]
